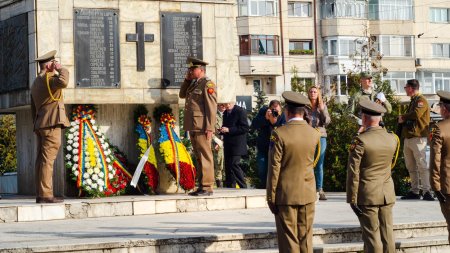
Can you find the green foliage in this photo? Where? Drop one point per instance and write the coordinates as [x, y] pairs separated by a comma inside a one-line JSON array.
[[8, 157], [343, 128], [301, 51], [249, 164], [296, 83]]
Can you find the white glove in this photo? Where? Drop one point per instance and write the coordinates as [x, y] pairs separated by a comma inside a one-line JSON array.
[[381, 97]]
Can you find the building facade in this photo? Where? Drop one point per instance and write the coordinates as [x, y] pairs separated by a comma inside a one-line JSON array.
[[250, 44]]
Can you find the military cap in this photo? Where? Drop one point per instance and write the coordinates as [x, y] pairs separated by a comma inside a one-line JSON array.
[[371, 108], [295, 99], [194, 62], [444, 95], [365, 75], [46, 57]]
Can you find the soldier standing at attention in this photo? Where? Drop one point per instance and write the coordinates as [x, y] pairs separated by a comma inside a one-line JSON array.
[[370, 188], [415, 131], [217, 147], [199, 120], [49, 117], [440, 157], [291, 188]]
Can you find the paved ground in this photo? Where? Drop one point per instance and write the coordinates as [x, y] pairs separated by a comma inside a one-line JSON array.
[[332, 213]]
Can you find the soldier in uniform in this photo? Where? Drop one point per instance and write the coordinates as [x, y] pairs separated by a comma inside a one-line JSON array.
[[199, 120], [291, 187], [440, 157], [49, 118], [367, 92], [370, 188], [415, 131], [217, 146]]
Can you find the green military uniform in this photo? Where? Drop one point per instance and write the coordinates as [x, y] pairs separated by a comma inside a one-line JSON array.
[[291, 187], [199, 117], [364, 95], [440, 160], [415, 131], [218, 153], [49, 116], [369, 183]]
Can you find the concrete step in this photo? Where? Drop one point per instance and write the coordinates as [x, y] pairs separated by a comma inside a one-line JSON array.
[[22, 209], [435, 244]]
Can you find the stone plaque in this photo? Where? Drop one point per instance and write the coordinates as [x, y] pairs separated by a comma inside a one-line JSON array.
[[245, 102], [97, 63], [14, 68], [181, 36]]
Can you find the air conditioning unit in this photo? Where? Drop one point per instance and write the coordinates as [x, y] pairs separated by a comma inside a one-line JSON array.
[[418, 62], [333, 59]]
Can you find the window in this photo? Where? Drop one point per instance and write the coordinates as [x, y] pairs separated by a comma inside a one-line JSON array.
[[342, 46], [442, 81], [395, 46], [391, 9], [300, 47], [299, 9], [257, 7], [397, 80], [344, 8], [258, 45], [441, 50], [439, 15]]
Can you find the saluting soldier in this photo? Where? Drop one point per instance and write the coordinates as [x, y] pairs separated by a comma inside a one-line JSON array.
[[370, 189], [367, 92], [49, 117], [291, 187], [199, 120], [440, 157]]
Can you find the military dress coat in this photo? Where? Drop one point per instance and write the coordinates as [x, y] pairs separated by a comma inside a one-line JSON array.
[[290, 179], [440, 157], [417, 118], [45, 111], [369, 180], [200, 106]]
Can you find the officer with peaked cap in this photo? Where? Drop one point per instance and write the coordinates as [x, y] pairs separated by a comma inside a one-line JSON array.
[[199, 120], [49, 118], [291, 187], [440, 157], [370, 189]]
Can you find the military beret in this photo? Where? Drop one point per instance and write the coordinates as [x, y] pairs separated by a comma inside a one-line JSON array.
[[365, 75], [46, 57], [194, 62], [371, 108], [295, 99], [444, 95]]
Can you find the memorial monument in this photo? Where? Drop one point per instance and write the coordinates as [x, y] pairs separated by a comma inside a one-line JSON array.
[[119, 54]]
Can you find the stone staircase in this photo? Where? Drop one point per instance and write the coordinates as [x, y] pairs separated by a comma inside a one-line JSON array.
[[230, 221]]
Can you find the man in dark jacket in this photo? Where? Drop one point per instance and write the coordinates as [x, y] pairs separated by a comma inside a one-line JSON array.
[[234, 129], [268, 119]]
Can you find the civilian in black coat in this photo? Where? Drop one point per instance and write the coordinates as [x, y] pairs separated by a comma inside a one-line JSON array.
[[234, 129]]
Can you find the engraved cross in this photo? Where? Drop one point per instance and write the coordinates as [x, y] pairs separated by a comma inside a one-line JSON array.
[[139, 37]]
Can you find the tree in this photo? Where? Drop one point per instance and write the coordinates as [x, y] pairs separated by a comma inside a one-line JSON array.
[[249, 164], [8, 160], [343, 125]]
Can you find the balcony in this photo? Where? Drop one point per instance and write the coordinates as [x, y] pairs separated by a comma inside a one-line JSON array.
[[257, 65]]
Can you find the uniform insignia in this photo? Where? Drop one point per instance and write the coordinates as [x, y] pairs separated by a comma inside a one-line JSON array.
[[273, 140], [354, 143], [210, 85], [432, 132], [210, 90], [420, 104]]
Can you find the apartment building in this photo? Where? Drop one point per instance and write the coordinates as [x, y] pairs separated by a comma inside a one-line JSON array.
[[319, 41]]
